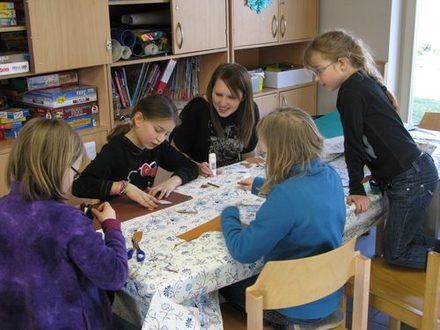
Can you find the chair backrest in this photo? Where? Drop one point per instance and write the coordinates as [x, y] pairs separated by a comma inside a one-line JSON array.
[[430, 120], [407, 295], [296, 282]]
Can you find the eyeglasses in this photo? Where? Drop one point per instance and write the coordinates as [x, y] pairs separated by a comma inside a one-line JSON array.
[[318, 71], [77, 173]]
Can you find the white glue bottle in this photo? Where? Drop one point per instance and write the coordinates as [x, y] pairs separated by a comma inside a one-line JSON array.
[[213, 163]]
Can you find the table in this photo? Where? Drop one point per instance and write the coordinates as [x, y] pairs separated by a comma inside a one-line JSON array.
[[176, 286]]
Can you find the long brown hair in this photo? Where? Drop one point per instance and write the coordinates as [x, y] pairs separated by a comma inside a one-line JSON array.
[[42, 153], [291, 139], [237, 79], [152, 107]]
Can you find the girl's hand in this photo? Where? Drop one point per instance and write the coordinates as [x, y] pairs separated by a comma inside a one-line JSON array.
[[246, 183], [204, 169], [165, 188], [103, 212], [141, 197], [360, 201]]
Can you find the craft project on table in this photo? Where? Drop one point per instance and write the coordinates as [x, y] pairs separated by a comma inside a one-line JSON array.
[[127, 209]]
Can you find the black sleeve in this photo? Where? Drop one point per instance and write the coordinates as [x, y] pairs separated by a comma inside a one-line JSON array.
[[191, 136], [172, 160], [352, 106], [93, 183], [254, 140]]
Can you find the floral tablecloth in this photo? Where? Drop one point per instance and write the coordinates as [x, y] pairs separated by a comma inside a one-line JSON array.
[[176, 286]]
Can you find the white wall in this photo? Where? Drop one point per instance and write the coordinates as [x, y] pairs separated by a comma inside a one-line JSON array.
[[369, 20]]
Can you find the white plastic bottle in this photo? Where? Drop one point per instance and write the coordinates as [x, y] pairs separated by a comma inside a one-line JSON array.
[[213, 163]]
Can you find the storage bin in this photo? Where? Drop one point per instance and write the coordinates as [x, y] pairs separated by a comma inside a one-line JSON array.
[[286, 78]]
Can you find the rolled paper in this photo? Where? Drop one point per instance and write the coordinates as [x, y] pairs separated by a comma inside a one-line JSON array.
[[155, 17], [116, 50], [138, 49], [125, 37], [126, 52], [151, 49]]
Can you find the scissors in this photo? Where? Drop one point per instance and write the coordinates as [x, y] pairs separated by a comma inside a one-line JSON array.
[[135, 239]]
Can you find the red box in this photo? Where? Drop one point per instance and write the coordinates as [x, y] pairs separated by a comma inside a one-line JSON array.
[[66, 112]]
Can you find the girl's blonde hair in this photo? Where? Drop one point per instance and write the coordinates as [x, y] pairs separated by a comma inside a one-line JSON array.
[[333, 45], [153, 107], [42, 153], [237, 79], [291, 139]]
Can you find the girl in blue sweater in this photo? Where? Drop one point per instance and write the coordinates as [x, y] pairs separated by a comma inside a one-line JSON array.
[[303, 215]]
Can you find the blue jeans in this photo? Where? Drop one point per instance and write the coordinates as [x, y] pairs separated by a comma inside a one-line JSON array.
[[409, 195]]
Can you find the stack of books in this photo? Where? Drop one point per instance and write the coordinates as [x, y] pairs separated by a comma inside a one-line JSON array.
[[14, 63], [58, 96], [8, 16], [11, 121]]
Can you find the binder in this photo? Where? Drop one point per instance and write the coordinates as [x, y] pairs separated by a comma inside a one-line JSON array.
[[162, 83]]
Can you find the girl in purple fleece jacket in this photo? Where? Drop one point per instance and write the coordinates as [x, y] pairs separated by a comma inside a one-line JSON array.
[[54, 267]]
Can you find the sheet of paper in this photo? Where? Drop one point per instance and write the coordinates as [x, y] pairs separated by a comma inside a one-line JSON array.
[[334, 145]]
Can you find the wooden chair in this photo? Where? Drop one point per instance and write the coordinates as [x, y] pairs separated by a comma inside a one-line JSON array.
[[296, 282], [430, 120], [407, 295]]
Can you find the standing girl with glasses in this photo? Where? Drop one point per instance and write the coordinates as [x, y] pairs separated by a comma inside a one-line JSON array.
[[303, 215], [54, 267], [127, 164], [375, 136]]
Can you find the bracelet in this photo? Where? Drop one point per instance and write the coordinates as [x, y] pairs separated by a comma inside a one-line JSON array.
[[123, 187]]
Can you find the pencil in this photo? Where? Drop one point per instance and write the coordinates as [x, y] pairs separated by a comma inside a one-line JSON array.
[[213, 184]]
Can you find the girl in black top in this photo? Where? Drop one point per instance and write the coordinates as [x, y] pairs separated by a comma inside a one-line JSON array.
[[128, 163], [375, 136], [223, 124]]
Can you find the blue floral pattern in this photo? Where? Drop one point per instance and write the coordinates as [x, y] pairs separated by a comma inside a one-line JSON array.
[[176, 286]]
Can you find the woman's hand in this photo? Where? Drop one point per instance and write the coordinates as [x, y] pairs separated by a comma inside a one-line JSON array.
[[246, 183], [140, 197], [103, 212], [165, 188], [360, 201], [204, 169]]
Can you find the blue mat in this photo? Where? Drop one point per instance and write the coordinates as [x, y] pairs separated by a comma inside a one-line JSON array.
[[330, 125]]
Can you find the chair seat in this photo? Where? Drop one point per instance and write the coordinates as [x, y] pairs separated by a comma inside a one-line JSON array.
[[404, 286]]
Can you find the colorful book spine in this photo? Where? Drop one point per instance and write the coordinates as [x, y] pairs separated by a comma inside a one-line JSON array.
[[81, 122], [66, 112], [7, 13], [52, 80], [6, 5], [14, 68], [120, 91], [60, 96], [11, 57], [162, 84], [14, 113], [11, 21]]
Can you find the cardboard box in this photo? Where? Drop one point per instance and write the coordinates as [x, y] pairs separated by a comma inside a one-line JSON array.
[[66, 112], [287, 78]]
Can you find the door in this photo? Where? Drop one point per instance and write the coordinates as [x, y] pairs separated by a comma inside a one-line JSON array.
[[66, 34], [298, 19], [198, 25], [303, 98], [250, 28], [266, 103]]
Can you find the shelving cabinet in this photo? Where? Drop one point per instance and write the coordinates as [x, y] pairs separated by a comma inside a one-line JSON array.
[[278, 34]]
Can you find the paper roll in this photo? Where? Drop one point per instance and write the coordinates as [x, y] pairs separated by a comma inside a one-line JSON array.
[[156, 17], [116, 50], [151, 49], [125, 37], [126, 52]]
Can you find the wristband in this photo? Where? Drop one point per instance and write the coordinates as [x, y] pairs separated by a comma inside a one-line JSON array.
[[123, 187]]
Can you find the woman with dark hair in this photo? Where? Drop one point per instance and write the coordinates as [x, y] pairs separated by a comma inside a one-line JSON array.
[[223, 124]]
